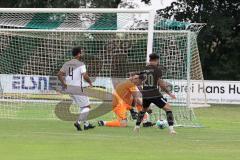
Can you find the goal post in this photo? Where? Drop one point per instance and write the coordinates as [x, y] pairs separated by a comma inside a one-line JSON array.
[[150, 34], [34, 43]]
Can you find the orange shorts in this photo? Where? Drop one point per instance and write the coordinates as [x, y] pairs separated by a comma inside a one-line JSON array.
[[121, 111]]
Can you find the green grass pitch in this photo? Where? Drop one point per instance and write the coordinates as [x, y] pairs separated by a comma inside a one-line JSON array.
[[58, 140]]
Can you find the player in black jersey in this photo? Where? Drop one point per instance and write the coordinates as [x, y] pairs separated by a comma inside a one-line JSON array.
[[151, 92]]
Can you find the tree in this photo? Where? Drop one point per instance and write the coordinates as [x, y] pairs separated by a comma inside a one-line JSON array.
[[219, 41]]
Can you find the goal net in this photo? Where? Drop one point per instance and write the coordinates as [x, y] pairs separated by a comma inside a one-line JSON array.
[[34, 44]]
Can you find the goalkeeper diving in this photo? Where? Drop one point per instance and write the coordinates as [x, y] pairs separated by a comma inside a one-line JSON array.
[[126, 93]]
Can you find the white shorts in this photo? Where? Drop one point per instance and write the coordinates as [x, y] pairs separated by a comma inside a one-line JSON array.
[[81, 100]]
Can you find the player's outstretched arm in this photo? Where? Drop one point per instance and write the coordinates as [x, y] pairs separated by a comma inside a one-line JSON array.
[[163, 85], [137, 96], [87, 79], [61, 76]]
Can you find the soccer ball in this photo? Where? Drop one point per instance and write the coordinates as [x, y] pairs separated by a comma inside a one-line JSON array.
[[161, 124]]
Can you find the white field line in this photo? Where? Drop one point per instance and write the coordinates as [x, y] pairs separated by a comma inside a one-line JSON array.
[[38, 101], [57, 101]]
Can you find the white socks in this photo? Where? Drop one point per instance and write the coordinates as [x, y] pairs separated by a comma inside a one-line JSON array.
[[170, 128], [83, 115]]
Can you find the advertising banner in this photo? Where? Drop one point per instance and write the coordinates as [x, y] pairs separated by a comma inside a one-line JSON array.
[[212, 92]]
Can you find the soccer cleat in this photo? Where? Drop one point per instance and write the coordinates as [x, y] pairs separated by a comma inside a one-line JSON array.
[[100, 123], [136, 129], [172, 132], [90, 126], [78, 126]]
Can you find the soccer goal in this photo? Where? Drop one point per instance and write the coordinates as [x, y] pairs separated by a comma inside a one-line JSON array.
[[34, 43]]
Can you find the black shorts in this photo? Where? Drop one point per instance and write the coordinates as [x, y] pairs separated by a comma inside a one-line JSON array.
[[158, 101]]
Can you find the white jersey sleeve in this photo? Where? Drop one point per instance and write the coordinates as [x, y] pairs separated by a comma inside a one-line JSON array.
[[63, 69], [83, 69]]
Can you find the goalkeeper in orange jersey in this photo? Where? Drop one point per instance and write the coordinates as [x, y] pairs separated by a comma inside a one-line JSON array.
[[125, 94]]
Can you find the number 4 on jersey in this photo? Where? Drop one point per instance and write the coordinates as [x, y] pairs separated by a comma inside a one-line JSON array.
[[70, 72]]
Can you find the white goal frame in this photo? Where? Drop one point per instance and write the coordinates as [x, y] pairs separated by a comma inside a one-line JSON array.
[[150, 31]]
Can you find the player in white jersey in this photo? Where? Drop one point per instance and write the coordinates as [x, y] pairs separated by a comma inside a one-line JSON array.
[[71, 76]]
